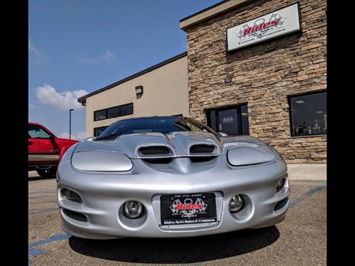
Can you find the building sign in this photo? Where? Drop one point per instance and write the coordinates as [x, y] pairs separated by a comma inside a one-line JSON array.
[[276, 24]]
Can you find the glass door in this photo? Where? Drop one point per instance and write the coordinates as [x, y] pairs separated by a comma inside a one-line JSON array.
[[233, 120]]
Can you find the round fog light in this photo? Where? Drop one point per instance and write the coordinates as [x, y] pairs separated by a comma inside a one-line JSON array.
[[133, 209], [236, 203]]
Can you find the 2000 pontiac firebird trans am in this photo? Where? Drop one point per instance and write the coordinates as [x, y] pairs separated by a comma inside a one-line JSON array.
[[169, 176]]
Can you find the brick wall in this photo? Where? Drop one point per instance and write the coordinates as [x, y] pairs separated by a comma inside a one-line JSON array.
[[263, 75]]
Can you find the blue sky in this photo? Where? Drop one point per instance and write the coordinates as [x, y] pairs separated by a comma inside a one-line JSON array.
[[76, 47]]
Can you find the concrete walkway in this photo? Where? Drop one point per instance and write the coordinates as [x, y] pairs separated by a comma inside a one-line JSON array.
[[307, 171]]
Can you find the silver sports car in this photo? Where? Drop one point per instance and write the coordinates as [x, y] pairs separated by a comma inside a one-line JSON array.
[[169, 177]]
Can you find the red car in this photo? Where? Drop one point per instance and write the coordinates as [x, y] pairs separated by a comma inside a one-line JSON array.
[[45, 149]]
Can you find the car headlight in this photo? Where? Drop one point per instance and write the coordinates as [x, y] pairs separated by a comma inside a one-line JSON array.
[[104, 161]]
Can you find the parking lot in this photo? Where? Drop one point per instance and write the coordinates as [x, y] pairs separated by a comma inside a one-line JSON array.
[[301, 239]]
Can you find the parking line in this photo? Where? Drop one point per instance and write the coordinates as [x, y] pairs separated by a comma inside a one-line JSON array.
[[296, 201], [35, 252]]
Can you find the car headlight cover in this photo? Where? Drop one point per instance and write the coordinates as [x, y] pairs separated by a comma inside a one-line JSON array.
[[249, 155], [104, 161]]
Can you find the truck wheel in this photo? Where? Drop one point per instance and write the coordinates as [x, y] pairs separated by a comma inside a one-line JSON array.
[[47, 173]]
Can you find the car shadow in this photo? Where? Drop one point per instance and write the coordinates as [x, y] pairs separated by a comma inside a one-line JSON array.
[[177, 250]]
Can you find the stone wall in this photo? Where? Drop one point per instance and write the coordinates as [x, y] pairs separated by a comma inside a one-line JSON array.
[[263, 76]]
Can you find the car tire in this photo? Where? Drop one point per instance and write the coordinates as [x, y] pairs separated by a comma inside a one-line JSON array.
[[47, 173]]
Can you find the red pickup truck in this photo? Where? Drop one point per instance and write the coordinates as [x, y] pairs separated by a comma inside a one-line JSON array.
[[45, 149]]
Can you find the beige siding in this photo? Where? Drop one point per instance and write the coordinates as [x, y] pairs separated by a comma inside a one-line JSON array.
[[165, 92]]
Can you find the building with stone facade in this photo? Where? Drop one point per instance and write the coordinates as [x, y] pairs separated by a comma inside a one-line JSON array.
[[252, 67]]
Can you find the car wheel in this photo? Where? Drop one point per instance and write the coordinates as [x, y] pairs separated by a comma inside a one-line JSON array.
[[47, 173]]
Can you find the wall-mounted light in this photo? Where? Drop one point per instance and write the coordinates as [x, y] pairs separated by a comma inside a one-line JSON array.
[[139, 90]]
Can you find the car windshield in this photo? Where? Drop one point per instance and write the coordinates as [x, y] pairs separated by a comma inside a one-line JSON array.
[[164, 125]]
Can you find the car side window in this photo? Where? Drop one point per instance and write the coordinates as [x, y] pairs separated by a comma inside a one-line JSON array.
[[36, 132]]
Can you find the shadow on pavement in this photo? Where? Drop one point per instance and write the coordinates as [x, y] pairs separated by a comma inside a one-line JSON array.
[[177, 250]]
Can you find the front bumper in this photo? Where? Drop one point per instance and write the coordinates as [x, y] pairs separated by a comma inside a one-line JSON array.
[[99, 215]]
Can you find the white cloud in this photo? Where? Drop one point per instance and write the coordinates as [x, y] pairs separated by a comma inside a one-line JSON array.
[[31, 106], [89, 61], [65, 100], [107, 56], [38, 57]]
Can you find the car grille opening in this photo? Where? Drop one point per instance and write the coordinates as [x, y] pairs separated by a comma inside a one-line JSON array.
[[158, 160], [75, 215], [281, 204]]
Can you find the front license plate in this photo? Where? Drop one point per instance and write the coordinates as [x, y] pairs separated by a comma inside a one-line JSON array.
[[188, 208]]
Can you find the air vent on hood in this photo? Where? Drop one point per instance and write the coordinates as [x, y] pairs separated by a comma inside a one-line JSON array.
[[154, 150], [201, 148]]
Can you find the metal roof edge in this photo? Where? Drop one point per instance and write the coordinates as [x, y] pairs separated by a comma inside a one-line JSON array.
[[210, 12]]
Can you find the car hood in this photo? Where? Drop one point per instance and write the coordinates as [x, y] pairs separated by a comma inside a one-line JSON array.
[[182, 144]]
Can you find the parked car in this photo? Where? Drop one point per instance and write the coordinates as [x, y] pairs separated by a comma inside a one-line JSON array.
[[169, 177], [45, 149]]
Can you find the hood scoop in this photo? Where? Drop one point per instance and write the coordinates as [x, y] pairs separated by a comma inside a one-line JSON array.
[[202, 149], [155, 151]]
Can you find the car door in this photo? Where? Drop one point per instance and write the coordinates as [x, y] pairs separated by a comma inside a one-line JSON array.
[[42, 148]]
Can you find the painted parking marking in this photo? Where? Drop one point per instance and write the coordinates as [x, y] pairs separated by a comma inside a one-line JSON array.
[[42, 211], [35, 252], [309, 193]]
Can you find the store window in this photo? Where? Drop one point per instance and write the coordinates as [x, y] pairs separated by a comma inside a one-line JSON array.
[[308, 114], [100, 115], [232, 120], [126, 109], [112, 112]]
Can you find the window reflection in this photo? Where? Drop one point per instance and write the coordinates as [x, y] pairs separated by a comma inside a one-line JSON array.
[[232, 120], [308, 114], [98, 130]]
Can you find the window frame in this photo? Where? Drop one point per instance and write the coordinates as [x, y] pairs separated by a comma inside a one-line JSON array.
[[242, 118], [112, 112], [309, 109]]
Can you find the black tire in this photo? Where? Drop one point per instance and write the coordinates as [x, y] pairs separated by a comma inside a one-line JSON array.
[[47, 173]]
